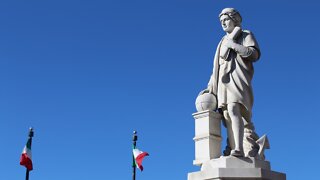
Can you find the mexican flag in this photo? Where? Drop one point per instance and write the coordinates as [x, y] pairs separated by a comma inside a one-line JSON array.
[[138, 157], [26, 157]]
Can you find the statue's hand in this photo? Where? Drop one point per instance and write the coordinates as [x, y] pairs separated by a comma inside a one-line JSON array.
[[203, 92], [228, 43], [208, 90]]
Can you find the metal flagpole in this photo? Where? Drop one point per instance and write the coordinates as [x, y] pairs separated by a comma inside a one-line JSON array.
[[134, 141], [27, 174], [31, 133]]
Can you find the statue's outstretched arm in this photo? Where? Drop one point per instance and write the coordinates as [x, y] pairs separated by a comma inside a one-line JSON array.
[[246, 52], [250, 53]]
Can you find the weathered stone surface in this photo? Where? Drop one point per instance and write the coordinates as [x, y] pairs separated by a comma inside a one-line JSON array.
[[234, 162], [232, 168], [207, 136]]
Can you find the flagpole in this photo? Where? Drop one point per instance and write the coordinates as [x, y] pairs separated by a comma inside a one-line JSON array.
[[27, 174], [31, 133], [134, 141]]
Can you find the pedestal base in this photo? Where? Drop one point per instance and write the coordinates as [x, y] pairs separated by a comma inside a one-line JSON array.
[[232, 168], [207, 136]]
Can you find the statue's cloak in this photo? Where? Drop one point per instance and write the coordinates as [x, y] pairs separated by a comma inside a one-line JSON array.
[[231, 78]]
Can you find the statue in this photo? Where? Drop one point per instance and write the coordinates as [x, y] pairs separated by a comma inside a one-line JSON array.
[[228, 100], [230, 83]]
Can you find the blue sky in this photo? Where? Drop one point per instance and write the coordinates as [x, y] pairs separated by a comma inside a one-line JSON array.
[[85, 74]]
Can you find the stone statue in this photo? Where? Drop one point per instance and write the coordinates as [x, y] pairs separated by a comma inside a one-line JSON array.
[[228, 99], [230, 83]]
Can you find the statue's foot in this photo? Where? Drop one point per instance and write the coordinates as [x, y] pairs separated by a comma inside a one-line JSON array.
[[237, 153], [226, 152]]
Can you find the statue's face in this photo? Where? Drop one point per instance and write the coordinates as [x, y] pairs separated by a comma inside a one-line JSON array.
[[227, 24]]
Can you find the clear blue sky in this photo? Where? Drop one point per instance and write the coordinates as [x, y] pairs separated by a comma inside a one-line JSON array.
[[85, 74]]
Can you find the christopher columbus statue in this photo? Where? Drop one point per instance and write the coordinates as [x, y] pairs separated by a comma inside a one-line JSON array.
[[231, 84]]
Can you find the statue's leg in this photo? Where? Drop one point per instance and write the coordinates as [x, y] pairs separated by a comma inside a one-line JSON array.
[[250, 147], [234, 111], [230, 139]]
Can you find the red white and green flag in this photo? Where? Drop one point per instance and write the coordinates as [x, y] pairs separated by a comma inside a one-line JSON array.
[[26, 156], [138, 157]]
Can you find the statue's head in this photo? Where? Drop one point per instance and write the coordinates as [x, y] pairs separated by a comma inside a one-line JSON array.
[[230, 18]]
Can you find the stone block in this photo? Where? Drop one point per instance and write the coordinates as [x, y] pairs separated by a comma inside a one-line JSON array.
[[207, 136], [232, 168]]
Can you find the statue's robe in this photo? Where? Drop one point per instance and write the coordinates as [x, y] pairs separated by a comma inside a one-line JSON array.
[[231, 78], [231, 83]]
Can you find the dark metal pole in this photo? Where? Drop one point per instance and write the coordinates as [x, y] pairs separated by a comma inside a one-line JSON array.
[[31, 133], [27, 175], [134, 141]]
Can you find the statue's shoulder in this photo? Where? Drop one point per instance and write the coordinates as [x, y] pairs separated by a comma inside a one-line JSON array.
[[246, 32]]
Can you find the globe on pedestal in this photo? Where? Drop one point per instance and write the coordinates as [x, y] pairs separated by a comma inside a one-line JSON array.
[[206, 101]]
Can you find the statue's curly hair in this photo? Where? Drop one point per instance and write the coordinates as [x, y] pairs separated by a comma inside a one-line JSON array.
[[233, 14]]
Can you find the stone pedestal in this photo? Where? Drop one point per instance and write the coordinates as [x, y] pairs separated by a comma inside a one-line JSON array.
[[216, 167], [207, 136], [232, 168]]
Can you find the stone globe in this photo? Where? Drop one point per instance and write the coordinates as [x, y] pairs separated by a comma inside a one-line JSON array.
[[206, 101]]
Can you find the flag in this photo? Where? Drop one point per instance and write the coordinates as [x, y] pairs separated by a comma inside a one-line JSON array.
[[26, 157], [138, 157]]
